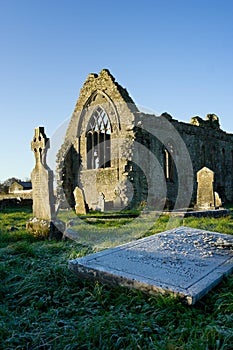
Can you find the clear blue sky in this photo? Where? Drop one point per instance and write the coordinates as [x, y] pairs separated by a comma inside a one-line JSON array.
[[171, 55]]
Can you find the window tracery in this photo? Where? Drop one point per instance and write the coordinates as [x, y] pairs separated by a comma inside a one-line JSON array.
[[98, 140], [169, 162]]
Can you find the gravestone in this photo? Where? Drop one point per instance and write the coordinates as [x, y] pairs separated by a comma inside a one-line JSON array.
[[44, 222], [217, 199], [101, 202], [80, 207], [185, 262], [205, 191], [42, 178], [117, 203], [207, 199]]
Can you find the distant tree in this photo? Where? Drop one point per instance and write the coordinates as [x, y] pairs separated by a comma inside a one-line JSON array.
[[4, 186], [27, 179]]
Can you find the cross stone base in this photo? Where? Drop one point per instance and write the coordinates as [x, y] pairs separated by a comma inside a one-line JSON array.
[[46, 229]]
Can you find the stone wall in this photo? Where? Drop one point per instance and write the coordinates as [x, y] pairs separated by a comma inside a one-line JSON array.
[[206, 143], [139, 143], [22, 195], [211, 147], [72, 168], [12, 200]]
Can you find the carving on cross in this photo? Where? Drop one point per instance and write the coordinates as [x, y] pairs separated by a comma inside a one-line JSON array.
[[40, 145]]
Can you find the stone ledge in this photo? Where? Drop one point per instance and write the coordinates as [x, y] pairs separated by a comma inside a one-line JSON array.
[[184, 262], [217, 213]]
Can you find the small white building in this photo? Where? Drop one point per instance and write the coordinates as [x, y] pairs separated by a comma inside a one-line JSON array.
[[18, 187]]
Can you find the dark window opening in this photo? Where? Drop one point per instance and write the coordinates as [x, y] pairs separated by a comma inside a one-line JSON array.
[[203, 156], [213, 155], [169, 162], [223, 165], [99, 140], [232, 160]]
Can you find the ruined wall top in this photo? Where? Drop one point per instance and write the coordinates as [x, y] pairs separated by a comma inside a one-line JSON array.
[[208, 127], [104, 82], [211, 121]]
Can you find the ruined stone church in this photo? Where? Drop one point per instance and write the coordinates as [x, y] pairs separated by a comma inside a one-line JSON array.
[[120, 157]]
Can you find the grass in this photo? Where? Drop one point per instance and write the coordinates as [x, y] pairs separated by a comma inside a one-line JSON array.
[[45, 306], [100, 233]]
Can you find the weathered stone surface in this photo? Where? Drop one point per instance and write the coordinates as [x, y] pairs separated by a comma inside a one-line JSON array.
[[42, 178], [153, 159], [217, 200], [70, 234], [101, 202], [183, 261], [46, 229], [205, 191], [98, 91], [117, 203], [44, 223], [80, 207]]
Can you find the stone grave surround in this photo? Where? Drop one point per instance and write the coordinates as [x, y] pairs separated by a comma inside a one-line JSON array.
[[184, 262]]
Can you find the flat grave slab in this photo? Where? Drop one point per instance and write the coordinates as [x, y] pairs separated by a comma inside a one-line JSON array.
[[185, 262]]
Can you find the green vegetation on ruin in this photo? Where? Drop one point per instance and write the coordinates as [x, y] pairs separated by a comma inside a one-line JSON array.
[[43, 305]]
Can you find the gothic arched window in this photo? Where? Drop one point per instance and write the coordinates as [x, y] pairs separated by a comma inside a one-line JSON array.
[[223, 165], [98, 140], [169, 162], [203, 156]]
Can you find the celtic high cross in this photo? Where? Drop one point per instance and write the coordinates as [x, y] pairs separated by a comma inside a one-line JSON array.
[[40, 145]]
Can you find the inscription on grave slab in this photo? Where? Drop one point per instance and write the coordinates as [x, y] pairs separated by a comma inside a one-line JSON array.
[[184, 261]]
